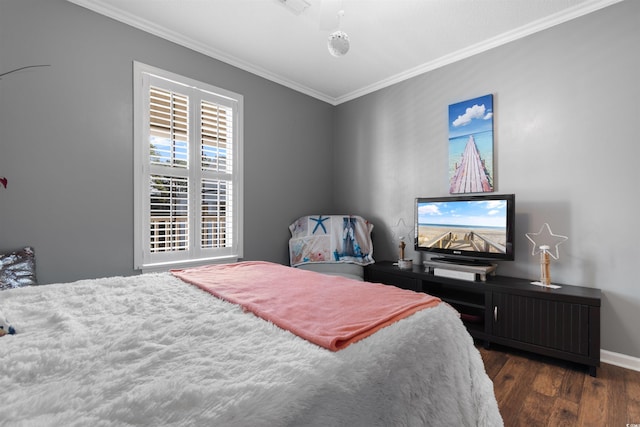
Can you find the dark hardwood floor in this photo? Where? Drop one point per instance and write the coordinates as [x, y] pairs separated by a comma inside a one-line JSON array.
[[538, 391]]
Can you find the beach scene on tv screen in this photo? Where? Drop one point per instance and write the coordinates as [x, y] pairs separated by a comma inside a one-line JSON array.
[[478, 226]]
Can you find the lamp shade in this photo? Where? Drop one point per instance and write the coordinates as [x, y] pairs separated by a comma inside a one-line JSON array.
[[338, 43]]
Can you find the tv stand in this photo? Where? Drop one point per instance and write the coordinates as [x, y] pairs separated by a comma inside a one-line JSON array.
[[562, 323]]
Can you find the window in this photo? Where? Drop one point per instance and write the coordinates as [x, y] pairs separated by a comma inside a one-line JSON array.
[[188, 171]]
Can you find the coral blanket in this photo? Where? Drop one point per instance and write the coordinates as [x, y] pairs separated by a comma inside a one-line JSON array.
[[329, 311]]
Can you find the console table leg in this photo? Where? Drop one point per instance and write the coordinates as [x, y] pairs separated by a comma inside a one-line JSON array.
[[592, 371]]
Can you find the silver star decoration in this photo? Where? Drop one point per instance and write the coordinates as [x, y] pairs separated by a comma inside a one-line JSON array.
[[544, 239], [402, 231]]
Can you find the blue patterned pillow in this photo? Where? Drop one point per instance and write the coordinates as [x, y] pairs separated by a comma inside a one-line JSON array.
[[17, 269]]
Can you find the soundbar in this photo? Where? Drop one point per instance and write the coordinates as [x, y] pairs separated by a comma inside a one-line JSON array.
[[455, 274]]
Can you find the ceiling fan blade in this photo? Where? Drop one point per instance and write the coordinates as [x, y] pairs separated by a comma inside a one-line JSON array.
[[329, 19]]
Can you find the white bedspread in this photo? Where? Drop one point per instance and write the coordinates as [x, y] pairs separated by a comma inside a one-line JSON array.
[[152, 350]]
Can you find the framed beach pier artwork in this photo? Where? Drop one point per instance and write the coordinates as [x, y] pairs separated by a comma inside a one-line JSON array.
[[471, 146]]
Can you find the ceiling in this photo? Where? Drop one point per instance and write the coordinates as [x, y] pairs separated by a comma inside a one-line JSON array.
[[391, 40]]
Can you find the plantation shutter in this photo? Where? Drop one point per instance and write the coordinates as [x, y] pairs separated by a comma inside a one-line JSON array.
[[190, 206], [168, 127], [216, 144], [169, 182]]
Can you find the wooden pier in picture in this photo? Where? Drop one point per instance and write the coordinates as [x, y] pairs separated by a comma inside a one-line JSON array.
[[471, 175]]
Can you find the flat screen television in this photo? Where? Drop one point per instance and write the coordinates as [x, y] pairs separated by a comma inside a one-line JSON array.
[[475, 229]]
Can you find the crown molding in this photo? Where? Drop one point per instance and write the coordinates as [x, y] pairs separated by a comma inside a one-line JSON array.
[[172, 36], [502, 39], [524, 31]]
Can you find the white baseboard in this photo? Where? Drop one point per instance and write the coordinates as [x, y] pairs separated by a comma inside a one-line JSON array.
[[621, 360]]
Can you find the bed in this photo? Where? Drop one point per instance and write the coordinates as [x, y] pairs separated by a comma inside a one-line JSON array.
[[156, 350]]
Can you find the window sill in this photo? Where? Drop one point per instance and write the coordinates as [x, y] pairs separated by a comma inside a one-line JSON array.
[[166, 266]]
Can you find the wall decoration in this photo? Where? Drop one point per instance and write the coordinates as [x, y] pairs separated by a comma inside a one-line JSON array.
[[471, 146]]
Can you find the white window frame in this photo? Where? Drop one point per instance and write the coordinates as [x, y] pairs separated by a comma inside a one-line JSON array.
[[143, 76]]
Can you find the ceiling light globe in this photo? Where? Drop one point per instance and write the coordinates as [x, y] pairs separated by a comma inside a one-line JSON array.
[[338, 43]]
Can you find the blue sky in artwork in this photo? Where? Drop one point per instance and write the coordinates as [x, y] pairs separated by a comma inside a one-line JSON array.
[[470, 117]]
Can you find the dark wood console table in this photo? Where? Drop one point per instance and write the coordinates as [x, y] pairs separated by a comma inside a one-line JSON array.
[[562, 323]]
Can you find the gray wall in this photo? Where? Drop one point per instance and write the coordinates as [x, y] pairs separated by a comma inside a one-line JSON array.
[[66, 143], [566, 143]]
